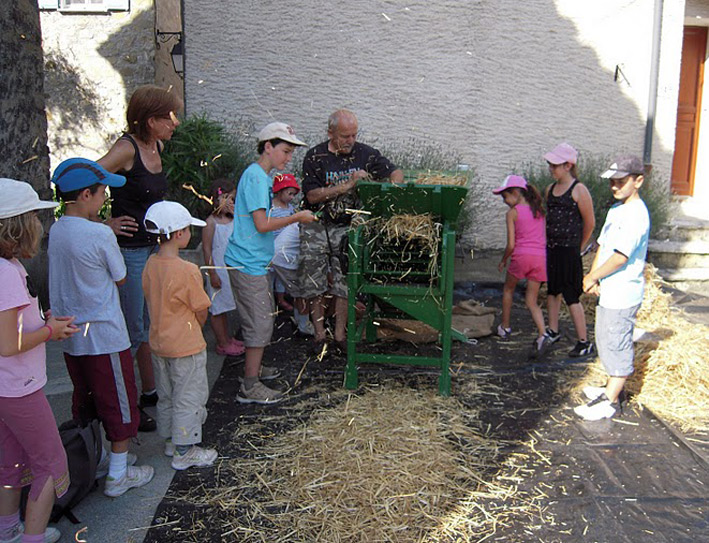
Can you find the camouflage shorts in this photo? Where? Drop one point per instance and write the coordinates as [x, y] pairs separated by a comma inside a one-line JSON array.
[[318, 257]]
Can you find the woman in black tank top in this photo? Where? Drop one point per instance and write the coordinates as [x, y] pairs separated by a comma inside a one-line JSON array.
[[152, 118]]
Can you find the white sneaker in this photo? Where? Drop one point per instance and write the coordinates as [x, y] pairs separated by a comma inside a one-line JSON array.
[[103, 465], [592, 392], [600, 408], [259, 393], [196, 457], [169, 448], [135, 476], [503, 332], [51, 535]]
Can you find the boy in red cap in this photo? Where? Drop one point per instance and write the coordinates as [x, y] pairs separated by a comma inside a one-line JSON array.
[[285, 188]]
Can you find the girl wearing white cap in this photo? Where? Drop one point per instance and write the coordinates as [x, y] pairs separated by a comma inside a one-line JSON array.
[[31, 451]]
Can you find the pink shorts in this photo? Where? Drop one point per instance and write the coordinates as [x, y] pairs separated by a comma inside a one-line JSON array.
[[31, 450], [532, 267]]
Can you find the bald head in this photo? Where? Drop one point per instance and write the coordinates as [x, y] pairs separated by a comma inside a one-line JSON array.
[[342, 131]]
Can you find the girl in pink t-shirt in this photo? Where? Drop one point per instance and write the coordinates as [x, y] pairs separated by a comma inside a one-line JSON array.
[[31, 452], [526, 244]]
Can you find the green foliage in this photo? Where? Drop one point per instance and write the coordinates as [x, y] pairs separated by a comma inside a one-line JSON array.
[[590, 167], [200, 151], [103, 213], [418, 155]]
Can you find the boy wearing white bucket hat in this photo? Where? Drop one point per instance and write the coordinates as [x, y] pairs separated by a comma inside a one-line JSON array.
[[177, 304]]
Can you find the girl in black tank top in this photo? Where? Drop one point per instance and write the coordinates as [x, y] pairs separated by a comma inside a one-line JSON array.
[[564, 222]]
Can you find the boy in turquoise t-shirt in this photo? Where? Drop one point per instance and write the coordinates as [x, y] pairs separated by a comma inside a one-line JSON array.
[[617, 276], [249, 254]]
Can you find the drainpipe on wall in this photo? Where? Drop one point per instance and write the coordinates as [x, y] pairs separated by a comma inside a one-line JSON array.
[[654, 82]]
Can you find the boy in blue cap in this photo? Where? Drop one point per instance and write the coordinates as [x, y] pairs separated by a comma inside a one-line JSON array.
[[85, 269]]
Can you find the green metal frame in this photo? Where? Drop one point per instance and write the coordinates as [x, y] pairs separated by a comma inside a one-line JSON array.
[[431, 304]]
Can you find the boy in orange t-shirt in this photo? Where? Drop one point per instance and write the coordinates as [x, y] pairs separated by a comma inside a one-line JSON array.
[[178, 305]]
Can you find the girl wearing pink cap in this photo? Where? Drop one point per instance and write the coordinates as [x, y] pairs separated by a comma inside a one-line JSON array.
[[570, 223], [526, 245]]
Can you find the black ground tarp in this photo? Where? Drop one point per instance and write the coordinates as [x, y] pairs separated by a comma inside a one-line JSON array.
[[633, 479]]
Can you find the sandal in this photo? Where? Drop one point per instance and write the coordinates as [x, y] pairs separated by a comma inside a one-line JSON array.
[[230, 350], [237, 343]]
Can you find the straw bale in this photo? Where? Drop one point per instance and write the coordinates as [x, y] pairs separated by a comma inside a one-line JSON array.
[[393, 464], [671, 375]]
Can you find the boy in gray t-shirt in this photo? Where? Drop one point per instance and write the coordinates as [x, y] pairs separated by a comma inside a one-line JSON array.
[[85, 269]]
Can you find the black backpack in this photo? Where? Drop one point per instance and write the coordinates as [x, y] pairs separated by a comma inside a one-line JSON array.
[[83, 447]]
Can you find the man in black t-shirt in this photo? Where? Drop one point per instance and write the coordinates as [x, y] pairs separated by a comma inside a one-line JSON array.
[[331, 170]]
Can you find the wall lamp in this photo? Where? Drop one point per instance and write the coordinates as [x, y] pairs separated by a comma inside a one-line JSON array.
[[176, 53]]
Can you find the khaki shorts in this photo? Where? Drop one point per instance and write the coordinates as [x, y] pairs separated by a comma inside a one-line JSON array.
[[614, 339], [254, 304], [290, 280], [318, 257]]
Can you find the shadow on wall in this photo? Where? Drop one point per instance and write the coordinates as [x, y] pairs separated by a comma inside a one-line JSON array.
[[498, 83], [75, 103], [131, 51]]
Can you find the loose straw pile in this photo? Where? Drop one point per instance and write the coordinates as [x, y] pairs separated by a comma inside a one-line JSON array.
[[671, 370], [438, 179], [393, 464]]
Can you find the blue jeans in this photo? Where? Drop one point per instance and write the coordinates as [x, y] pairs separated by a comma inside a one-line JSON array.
[[135, 310]]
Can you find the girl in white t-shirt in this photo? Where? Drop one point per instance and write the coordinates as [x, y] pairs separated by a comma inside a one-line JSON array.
[[31, 449], [220, 225]]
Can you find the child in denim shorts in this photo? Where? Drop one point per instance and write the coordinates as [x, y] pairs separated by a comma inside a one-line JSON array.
[[617, 277]]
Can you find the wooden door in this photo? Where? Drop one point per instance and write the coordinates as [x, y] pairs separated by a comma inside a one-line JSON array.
[[694, 47]]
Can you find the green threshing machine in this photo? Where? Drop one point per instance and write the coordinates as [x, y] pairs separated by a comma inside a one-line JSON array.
[[399, 278]]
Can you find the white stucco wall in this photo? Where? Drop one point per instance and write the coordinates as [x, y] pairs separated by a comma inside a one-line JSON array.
[[500, 82], [93, 62]]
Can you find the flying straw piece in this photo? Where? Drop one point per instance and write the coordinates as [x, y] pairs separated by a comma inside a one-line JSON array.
[[357, 211], [221, 267], [77, 534], [197, 194], [20, 326]]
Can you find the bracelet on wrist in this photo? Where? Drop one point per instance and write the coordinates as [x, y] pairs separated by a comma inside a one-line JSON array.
[[51, 332]]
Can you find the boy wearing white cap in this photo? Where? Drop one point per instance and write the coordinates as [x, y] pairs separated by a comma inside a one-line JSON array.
[[249, 253], [617, 277], [177, 304]]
